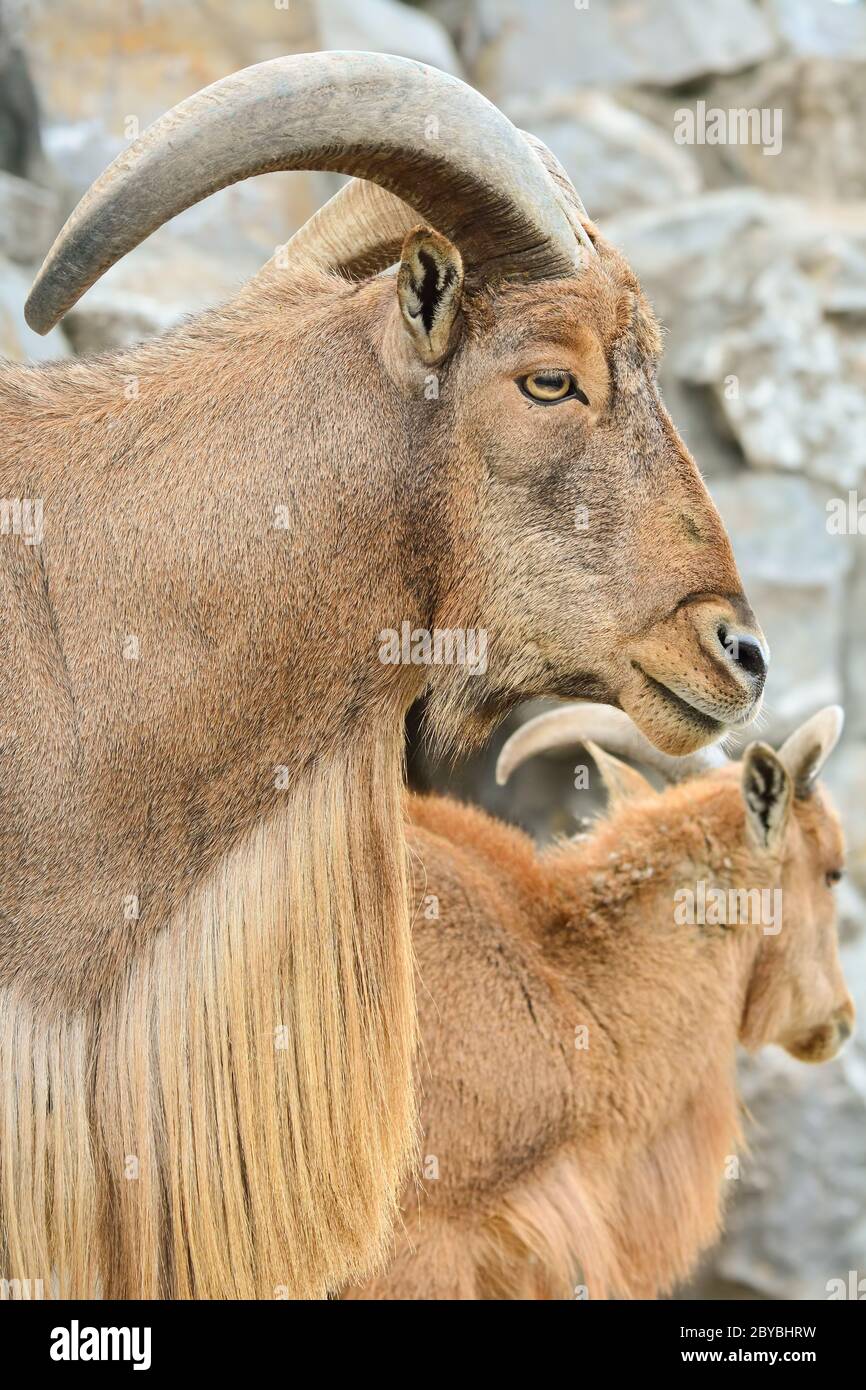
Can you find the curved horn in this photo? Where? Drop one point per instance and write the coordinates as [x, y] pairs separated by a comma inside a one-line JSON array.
[[567, 195], [417, 132], [606, 726], [362, 228]]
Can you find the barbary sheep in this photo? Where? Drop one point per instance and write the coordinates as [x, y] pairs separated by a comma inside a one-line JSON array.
[[218, 540], [581, 1009]]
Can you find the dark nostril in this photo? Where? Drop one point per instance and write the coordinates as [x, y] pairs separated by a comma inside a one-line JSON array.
[[843, 1027], [745, 651], [751, 657]]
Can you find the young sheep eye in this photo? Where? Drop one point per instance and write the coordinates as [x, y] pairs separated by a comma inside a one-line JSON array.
[[550, 387], [833, 876]]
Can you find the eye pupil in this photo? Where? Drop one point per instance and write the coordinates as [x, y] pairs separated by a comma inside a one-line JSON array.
[[551, 385], [548, 385]]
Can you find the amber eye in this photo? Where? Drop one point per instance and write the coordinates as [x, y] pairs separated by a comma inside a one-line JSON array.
[[833, 876], [550, 387]]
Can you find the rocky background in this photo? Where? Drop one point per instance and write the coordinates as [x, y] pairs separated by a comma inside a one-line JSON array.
[[756, 263]]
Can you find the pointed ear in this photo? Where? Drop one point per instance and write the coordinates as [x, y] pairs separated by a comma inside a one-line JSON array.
[[767, 792], [429, 288], [809, 747], [623, 783]]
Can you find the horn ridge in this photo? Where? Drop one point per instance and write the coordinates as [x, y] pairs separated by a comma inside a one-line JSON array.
[[364, 114]]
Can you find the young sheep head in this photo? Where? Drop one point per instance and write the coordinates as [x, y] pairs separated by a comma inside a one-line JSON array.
[[765, 823], [798, 996], [547, 497]]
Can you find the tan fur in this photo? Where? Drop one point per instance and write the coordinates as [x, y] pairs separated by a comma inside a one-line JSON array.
[[564, 1171], [252, 500], [168, 1098]]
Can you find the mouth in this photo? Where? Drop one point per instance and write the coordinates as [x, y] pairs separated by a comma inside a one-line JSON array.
[[678, 718], [695, 675], [708, 724]]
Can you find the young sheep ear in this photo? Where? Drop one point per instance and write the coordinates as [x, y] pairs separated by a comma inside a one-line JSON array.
[[623, 783], [429, 288], [767, 791], [809, 747]]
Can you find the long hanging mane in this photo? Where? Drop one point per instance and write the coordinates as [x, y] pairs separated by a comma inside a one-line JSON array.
[[146, 1148]]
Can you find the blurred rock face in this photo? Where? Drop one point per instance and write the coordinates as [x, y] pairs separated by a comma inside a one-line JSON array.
[[624, 160], [107, 70], [773, 333], [756, 262], [824, 105], [525, 48], [20, 145]]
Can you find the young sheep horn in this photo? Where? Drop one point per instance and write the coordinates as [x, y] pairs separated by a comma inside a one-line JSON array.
[[476, 180], [608, 727], [360, 231]]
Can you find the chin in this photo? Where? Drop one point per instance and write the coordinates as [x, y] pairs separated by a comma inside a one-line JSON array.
[[673, 727], [674, 724], [821, 1045]]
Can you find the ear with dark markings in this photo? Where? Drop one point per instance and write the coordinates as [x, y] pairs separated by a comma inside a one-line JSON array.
[[623, 783], [429, 287], [767, 792]]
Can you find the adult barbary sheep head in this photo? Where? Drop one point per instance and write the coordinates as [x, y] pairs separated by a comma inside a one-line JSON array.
[[549, 500]]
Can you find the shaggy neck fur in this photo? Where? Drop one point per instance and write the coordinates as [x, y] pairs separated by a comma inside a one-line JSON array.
[[148, 1149], [206, 995]]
